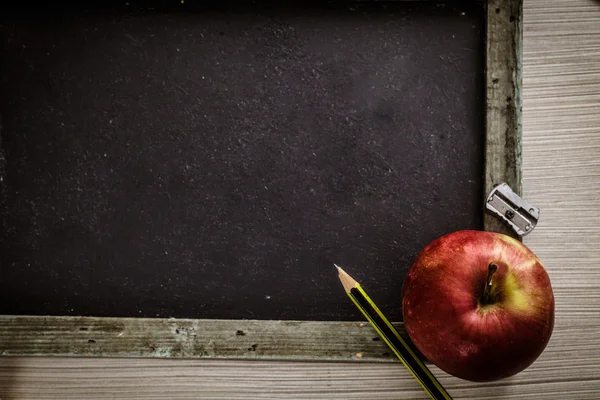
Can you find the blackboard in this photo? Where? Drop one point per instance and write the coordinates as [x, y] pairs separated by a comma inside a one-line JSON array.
[[215, 163]]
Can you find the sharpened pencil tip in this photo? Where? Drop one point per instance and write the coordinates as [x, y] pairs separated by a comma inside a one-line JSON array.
[[346, 279]]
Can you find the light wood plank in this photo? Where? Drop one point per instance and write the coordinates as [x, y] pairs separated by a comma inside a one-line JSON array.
[[565, 370], [154, 337], [503, 103]]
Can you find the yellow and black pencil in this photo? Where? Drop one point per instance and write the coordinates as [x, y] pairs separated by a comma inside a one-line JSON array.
[[392, 338]]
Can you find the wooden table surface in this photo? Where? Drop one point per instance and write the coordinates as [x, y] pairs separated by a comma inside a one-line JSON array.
[[561, 159]]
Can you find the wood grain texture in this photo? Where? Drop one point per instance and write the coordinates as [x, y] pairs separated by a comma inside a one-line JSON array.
[[561, 175], [187, 338], [503, 103], [69, 378]]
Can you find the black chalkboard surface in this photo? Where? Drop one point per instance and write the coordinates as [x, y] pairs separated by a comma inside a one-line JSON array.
[[215, 163]]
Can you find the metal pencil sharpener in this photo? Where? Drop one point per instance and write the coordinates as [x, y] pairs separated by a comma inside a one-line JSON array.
[[520, 214]]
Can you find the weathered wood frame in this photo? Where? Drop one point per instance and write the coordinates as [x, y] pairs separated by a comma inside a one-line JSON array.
[[298, 340]]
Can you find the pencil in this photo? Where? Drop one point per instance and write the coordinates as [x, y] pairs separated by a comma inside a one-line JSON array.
[[391, 336]]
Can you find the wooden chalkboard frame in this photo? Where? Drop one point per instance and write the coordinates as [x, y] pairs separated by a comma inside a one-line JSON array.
[[300, 340]]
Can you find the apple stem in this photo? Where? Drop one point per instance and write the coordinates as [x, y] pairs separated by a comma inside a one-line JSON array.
[[485, 298]]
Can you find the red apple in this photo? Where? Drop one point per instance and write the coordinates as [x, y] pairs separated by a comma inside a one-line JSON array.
[[479, 305]]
